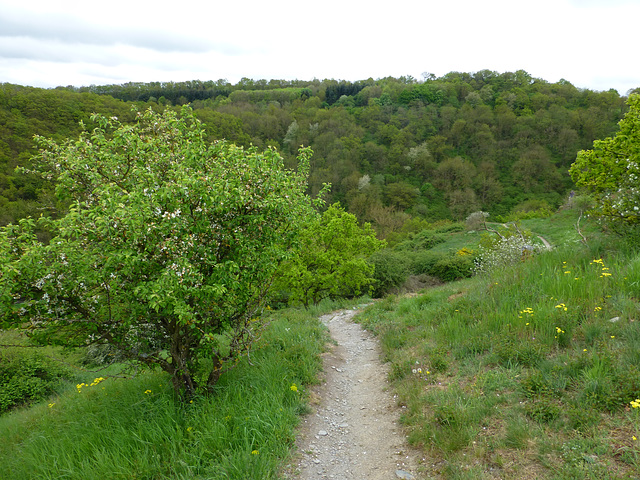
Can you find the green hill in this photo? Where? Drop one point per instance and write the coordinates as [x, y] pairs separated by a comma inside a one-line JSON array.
[[391, 148]]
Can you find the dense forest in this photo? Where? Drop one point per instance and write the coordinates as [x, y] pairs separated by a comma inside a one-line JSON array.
[[392, 148]]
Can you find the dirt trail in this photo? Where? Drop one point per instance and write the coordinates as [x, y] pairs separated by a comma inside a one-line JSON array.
[[547, 245], [353, 432]]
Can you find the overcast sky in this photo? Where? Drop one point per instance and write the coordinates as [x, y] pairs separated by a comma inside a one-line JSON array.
[[591, 43]]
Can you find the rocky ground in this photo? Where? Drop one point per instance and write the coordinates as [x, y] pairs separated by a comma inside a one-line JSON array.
[[353, 432]]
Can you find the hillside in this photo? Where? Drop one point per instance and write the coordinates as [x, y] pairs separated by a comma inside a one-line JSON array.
[[527, 371], [393, 149]]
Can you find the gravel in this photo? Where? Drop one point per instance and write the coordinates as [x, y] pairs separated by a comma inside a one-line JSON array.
[[353, 432]]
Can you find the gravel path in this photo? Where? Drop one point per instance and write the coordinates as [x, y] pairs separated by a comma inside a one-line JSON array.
[[353, 432]]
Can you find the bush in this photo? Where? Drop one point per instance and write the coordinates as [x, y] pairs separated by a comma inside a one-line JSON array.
[[27, 376], [504, 252], [446, 267], [173, 236], [448, 227], [423, 240], [453, 268], [425, 262], [476, 220], [391, 271]]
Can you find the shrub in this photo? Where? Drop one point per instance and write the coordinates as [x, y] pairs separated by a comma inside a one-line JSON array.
[[611, 169], [446, 267], [448, 227], [27, 376], [331, 260], [508, 250], [476, 220], [391, 270], [424, 262], [169, 250], [453, 267], [423, 240]]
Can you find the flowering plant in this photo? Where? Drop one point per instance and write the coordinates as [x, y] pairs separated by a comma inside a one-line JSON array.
[[169, 247]]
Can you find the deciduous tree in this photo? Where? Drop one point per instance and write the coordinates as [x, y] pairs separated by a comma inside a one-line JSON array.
[[169, 248], [611, 170]]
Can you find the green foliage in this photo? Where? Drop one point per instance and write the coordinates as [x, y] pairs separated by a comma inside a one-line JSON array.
[[332, 259], [436, 149], [611, 170], [446, 266], [25, 112], [453, 267], [424, 92], [391, 269], [422, 258], [27, 376], [424, 262], [138, 428], [500, 250], [168, 250], [423, 240], [445, 226]]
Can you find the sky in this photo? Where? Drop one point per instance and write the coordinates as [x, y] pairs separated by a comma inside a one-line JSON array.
[[591, 43]]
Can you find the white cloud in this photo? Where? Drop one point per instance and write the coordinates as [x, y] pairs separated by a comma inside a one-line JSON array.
[[72, 42]]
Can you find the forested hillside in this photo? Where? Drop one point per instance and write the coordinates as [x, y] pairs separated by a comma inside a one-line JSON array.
[[391, 148]]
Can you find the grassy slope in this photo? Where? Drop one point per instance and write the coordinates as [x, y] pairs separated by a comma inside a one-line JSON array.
[[523, 373], [135, 429], [489, 386]]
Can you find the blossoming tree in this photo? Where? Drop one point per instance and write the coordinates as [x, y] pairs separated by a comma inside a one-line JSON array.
[[168, 250], [611, 170]]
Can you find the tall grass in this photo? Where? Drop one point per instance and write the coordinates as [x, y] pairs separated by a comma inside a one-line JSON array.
[[135, 429], [527, 372]]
